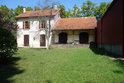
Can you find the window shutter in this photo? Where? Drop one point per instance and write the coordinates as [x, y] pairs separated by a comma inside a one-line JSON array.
[[45, 24], [23, 25], [42, 24], [29, 24], [39, 24]]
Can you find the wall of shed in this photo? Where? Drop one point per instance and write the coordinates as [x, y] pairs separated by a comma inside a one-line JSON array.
[[74, 35], [110, 28], [112, 48]]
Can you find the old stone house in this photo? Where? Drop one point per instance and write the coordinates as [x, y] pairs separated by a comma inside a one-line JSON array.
[[32, 29]]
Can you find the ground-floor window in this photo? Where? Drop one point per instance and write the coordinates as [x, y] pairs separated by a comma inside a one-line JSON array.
[[83, 38], [26, 40], [42, 40], [63, 38]]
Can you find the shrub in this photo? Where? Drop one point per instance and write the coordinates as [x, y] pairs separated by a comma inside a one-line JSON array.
[[8, 45], [93, 45]]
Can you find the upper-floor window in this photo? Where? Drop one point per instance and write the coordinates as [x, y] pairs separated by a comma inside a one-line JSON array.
[[26, 25], [42, 24]]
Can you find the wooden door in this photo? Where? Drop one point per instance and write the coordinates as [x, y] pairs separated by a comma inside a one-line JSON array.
[[42, 40], [26, 40]]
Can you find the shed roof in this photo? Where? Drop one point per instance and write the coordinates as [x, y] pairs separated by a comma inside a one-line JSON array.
[[75, 23]]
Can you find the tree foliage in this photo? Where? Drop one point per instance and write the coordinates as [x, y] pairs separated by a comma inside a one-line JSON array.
[[29, 8], [5, 10], [100, 10], [8, 44], [64, 13], [91, 9], [88, 8], [75, 12], [18, 10], [36, 8], [47, 7]]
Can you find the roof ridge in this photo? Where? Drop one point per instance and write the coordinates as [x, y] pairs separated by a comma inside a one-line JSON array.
[[47, 12], [40, 10], [78, 17]]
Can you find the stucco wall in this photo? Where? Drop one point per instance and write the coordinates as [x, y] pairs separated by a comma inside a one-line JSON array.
[[34, 32], [74, 35]]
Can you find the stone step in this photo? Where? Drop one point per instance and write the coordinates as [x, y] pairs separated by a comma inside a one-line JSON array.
[[69, 46]]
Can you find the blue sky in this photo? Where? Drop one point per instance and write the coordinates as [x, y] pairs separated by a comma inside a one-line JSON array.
[[68, 3]]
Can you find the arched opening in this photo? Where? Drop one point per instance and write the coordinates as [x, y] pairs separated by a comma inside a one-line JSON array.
[[63, 38], [83, 38]]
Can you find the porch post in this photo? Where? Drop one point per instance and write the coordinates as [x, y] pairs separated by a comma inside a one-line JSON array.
[[73, 35]]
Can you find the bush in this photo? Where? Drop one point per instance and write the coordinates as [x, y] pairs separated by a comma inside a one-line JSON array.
[[93, 45], [8, 45]]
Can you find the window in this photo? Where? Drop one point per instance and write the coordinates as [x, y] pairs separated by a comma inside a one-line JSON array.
[[42, 24], [26, 25]]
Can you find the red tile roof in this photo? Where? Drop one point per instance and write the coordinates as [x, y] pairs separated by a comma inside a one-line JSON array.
[[75, 23], [37, 13]]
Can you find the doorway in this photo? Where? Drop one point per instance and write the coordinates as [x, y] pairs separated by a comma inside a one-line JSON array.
[[26, 40], [63, 38], [42, 40], [83, 38]]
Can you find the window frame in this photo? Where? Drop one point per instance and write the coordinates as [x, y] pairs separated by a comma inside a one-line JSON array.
[[26, 25], [42, 24]]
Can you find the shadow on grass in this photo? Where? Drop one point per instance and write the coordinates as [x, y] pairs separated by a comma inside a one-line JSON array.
[[116, 58], [119, 63], [48, 81], [9, 70], [103, 52]]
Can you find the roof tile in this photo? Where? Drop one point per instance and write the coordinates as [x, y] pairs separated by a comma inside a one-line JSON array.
[[75, 23], [37, 13]]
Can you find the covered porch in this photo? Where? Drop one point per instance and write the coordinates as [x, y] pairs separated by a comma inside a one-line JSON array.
[[75, 31], [73, 36]]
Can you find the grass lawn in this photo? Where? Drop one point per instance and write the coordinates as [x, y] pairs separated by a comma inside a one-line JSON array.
[[71, 65]]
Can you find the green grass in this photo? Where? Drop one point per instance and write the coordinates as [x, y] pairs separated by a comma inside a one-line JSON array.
[[71, 65]]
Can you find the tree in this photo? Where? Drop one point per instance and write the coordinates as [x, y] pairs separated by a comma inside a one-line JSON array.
[[10, 14], [100, 10], [18, 10], [5, 10], [88, 9], [47, 7], [75, 12], [29, 9], [36, 8], [46, 4], [8, 45], [64, 14]]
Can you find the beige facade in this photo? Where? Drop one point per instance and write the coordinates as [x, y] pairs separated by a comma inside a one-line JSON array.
[[73, 35]]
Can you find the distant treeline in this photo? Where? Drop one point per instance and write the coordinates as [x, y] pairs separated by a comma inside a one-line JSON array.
[[87, 9]]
